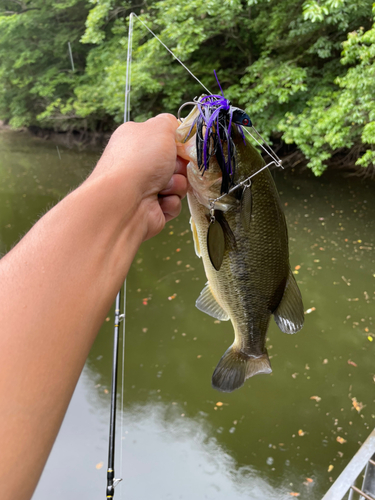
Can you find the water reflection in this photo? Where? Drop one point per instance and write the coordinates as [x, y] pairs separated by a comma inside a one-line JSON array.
[[168, 455]]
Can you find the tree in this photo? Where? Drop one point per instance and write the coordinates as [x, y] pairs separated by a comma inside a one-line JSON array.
[[36, 77], [303, 70]]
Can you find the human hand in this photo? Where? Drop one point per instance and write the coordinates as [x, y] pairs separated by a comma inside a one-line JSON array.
[[144, 156]]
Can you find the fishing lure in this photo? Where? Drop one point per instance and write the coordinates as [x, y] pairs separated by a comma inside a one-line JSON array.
[[214, 126], [214, 129]]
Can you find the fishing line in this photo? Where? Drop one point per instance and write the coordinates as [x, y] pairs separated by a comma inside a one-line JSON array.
[[126, 119], [269, 150], [169, 50], [112, 482]]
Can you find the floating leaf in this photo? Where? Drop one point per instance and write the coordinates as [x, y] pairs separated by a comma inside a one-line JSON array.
[[357, 405], [330, 467], [340, 440], [312, 309], [219, 403], [294, 494], [172, 297], [350, 362], [301, 432], [317, 398]]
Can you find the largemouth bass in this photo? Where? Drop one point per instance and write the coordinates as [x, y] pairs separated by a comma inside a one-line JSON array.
[[243, 243]]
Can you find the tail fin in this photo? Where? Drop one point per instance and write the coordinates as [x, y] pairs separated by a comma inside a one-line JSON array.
[[235, 367]]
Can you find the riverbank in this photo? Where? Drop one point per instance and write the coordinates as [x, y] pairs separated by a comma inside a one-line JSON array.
[[80, 139], [343, 160]]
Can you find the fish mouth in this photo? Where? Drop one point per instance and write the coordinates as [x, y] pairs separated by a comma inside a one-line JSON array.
[[188, 127]]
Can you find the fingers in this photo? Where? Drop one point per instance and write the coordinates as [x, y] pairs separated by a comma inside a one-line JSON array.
[[171, 206], [181, 165], [176, 186], [178, 182], [164, 119]]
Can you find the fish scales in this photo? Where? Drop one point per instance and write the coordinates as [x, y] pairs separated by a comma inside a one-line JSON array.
[[254, 280]]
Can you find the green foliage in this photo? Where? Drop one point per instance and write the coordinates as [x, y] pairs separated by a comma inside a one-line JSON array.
[[304, 70], [36, 78], [343, 117]]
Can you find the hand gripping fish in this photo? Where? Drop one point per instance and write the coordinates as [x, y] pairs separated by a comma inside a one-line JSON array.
[[241, 237]]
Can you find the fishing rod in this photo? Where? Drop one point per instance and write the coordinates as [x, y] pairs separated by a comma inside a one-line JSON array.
[[112, 482]]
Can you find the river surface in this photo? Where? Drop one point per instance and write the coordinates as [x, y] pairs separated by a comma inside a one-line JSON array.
[[286, 434]]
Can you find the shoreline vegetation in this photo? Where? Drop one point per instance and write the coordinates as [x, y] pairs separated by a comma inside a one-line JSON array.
[[291, 156], [302, 69]]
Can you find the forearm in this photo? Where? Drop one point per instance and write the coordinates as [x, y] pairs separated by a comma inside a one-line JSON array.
[[57, 285]]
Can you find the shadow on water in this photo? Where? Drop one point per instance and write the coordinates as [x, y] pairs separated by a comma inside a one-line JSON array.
[[287, 433]]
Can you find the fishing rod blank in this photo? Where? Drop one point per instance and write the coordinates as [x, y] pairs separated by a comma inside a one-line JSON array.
[[111, 481]]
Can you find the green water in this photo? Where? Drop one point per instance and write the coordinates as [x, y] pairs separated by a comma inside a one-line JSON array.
[[265, 439]]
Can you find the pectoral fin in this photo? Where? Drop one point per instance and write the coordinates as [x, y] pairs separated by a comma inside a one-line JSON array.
[[207, 303], [195, 237], [289, 315]]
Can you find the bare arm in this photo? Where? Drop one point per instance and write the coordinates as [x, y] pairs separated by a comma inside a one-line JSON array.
[[59, 282]]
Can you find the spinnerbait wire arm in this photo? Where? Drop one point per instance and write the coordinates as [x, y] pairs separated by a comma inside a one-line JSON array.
[[246, 182]]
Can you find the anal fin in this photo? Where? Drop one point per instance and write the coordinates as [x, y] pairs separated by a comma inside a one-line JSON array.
[[207, 303], [289, 315]]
